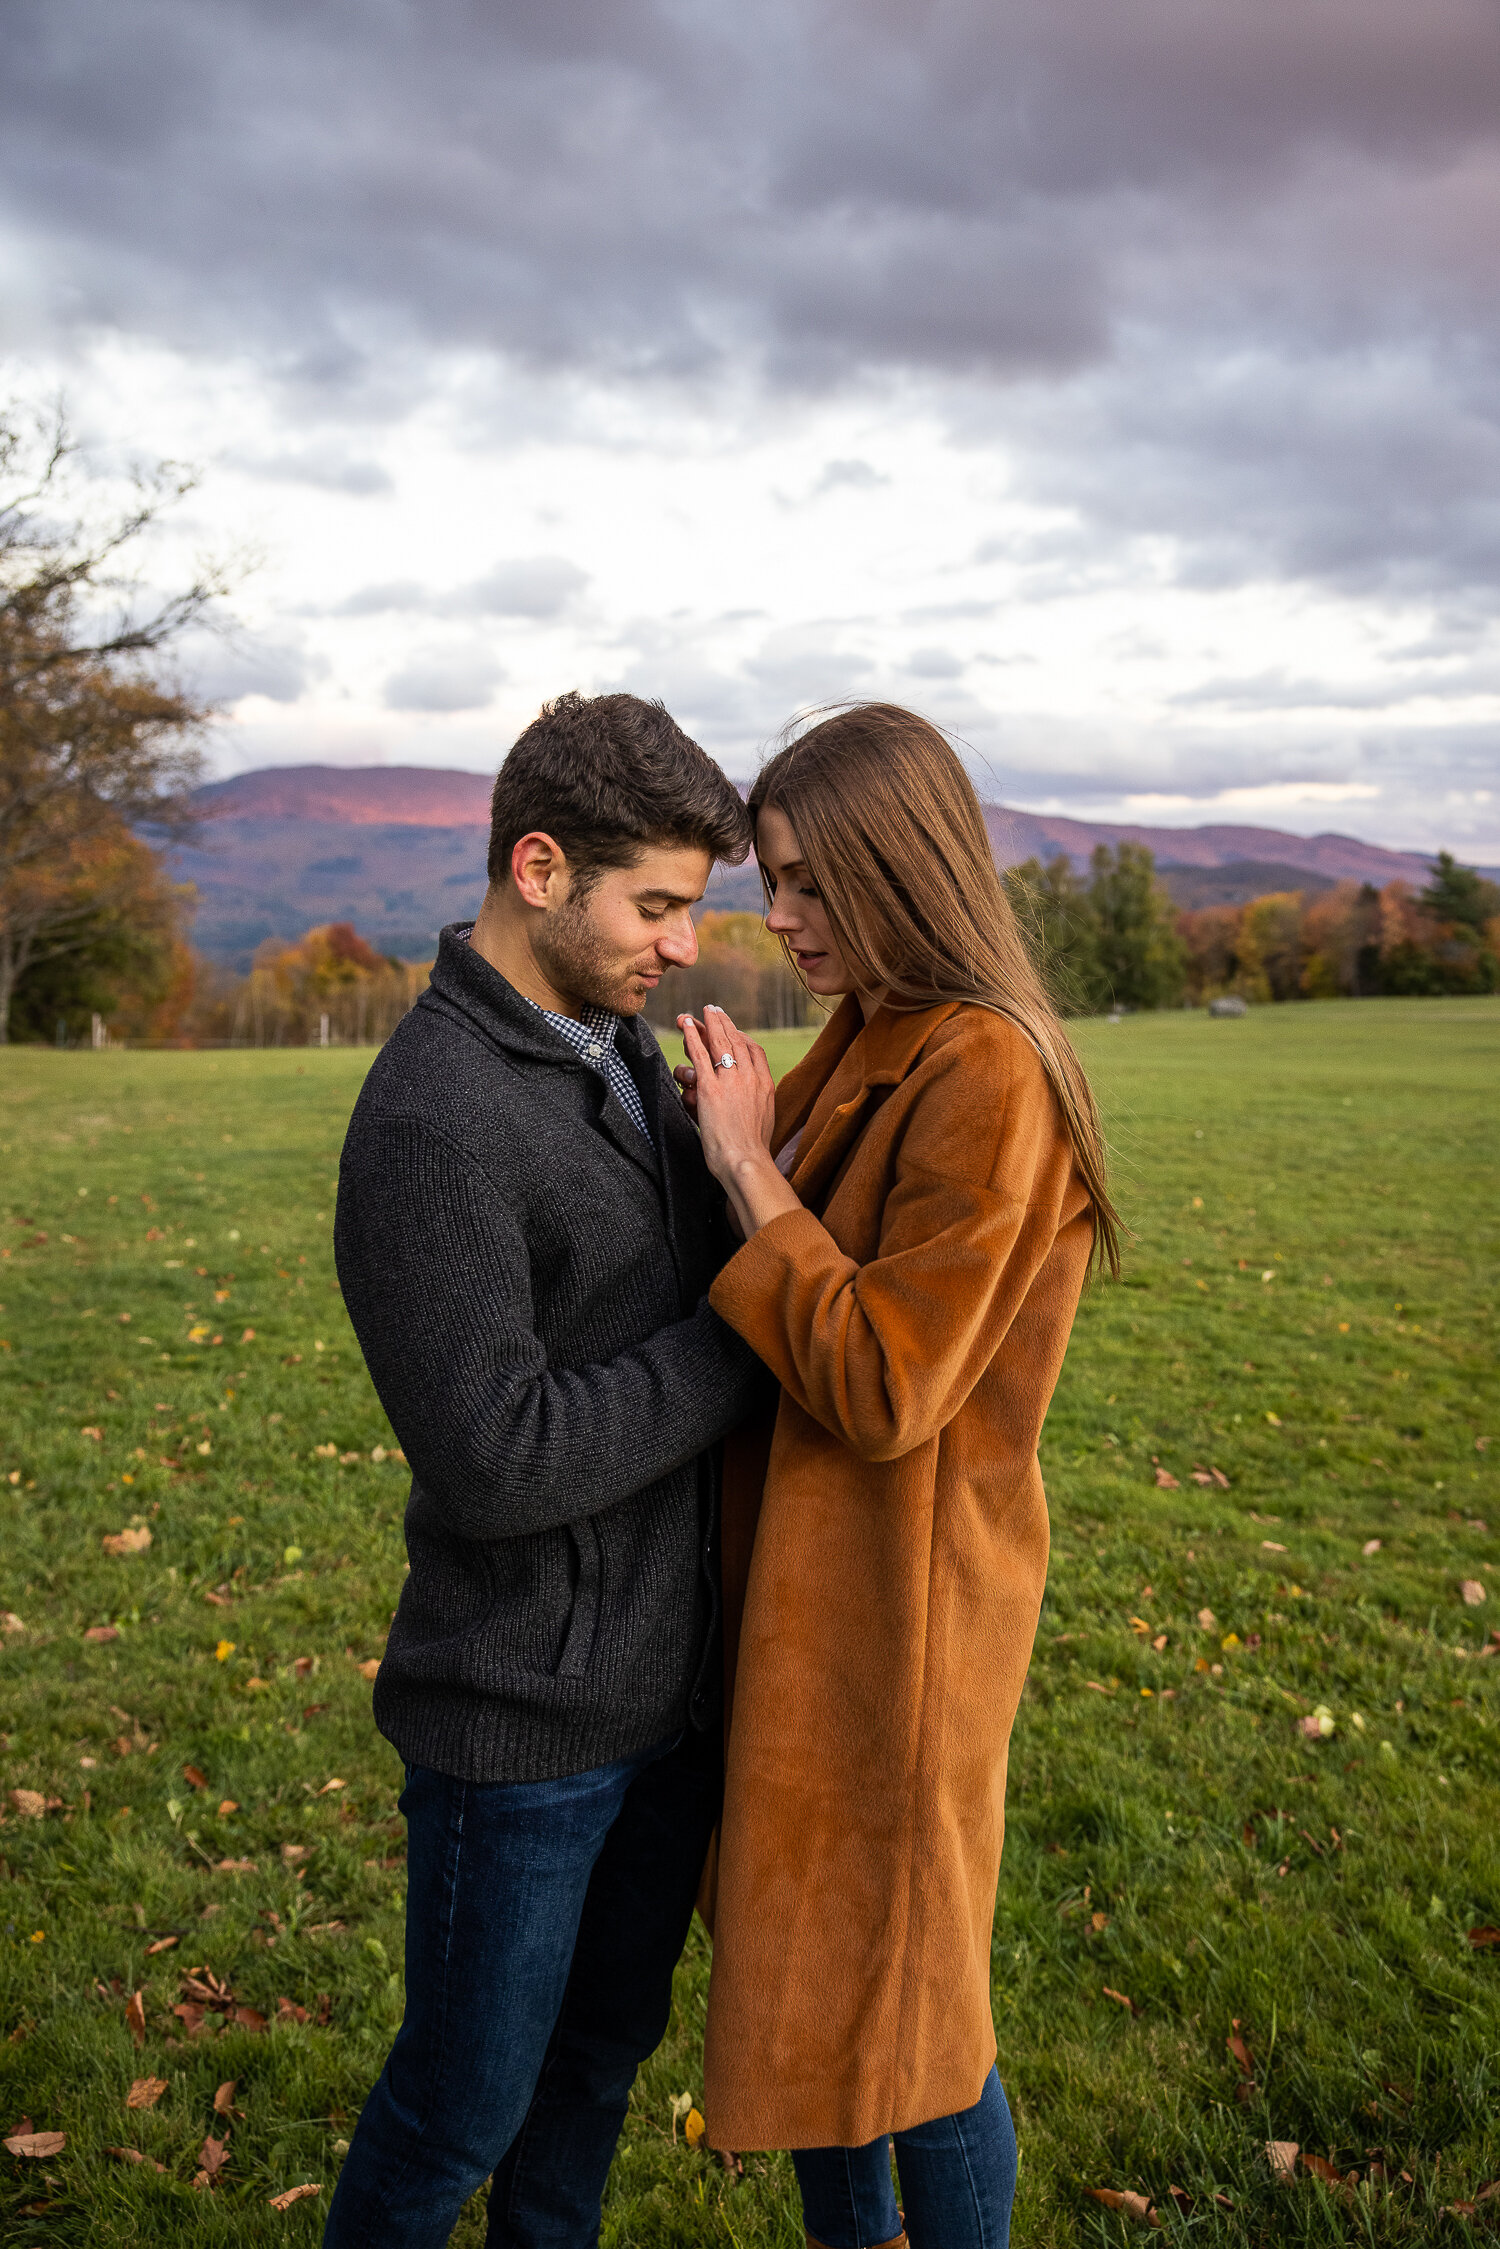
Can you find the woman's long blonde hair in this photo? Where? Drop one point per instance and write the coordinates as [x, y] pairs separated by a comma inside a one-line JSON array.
[[891, 833]]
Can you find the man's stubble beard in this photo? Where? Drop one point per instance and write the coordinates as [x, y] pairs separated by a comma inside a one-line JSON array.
[[567, 946]]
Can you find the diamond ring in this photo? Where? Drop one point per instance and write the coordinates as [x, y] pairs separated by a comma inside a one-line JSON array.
[[726, 1061]]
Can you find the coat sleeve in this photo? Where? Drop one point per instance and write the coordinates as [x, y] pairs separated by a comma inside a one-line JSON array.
[[436, 1281], [884, 1355]]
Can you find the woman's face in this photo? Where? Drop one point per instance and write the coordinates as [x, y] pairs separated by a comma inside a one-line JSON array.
[[796, 909]]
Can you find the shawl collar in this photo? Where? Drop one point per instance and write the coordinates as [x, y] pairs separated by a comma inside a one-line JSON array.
[[463, 984]]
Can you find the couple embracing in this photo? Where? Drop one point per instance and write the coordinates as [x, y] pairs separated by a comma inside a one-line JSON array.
[[727, 1536]]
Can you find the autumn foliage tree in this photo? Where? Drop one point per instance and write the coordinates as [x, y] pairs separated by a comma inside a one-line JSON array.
[[94, 741]]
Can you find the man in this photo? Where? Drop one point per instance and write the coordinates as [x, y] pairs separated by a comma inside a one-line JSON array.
[[526, 1234]]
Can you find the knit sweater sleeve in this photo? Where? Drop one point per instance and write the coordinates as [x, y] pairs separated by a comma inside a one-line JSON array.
[[436, 1280]]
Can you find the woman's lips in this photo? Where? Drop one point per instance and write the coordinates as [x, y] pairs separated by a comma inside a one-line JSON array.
[[810, 960]]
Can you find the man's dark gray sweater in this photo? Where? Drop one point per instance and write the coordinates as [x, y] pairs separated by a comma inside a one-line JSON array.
[[526, 1275]]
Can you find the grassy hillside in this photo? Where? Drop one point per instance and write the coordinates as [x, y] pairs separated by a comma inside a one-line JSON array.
[[1301, 1363]]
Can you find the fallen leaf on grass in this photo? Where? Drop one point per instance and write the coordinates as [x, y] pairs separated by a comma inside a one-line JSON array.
[[289, 2012], [329, 1786], [1128, 2204], [133, 1540], [1240, 2049], [1371, 1546], [224, 2098], [1482, 1939], [212, 2158], [135, 2017], [234, 1866], [368, 1669], [145, 2092], [1322, 2169], [195, 1776], [1272, 1546], [1165, 1482], [37, 2143], [1473, 1592], [27, 1803], [134, 2155], [1282, 2157], [248, 2018], [289, 2195], [1207, 1619], [1120, 1998]]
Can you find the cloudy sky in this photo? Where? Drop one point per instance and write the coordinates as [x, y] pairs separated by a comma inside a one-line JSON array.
[[1118, 381]]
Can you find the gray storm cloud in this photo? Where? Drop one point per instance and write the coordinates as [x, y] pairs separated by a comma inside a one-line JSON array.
[[1227, 275]]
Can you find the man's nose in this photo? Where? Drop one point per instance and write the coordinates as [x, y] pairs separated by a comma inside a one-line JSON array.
[[679, 943]]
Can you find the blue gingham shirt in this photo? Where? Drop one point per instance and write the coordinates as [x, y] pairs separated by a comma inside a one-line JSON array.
[[592, 1034]]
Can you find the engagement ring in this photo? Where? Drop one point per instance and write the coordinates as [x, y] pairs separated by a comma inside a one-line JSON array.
[[726, 1061]]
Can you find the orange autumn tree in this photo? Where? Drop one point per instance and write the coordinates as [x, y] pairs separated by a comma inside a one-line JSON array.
[[93, 741]]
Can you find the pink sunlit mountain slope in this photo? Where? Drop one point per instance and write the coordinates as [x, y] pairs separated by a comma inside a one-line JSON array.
[[399, 850]]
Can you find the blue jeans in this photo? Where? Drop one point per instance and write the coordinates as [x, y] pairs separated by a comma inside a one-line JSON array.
[[958, 2177], [543, 1922]]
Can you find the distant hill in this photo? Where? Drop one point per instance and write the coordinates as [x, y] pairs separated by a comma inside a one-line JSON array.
[[399, 850]]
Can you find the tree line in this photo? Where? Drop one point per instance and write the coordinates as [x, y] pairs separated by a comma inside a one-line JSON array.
[[1114, 939]]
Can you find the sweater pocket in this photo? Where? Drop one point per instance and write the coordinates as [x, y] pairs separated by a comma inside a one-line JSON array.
[[586, 1573]]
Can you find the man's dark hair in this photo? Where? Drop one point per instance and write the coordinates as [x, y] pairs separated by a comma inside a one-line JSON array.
[[606, 776]]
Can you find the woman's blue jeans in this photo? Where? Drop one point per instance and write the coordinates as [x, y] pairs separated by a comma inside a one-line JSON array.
[[958, 2180]]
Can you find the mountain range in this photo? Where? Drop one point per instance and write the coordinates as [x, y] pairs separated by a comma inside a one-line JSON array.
[[400, 849]]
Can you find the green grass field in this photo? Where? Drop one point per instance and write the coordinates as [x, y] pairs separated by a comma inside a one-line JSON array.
[[1301, 1362]]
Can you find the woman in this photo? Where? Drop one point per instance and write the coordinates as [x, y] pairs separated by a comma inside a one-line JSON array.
[[920, 1200]]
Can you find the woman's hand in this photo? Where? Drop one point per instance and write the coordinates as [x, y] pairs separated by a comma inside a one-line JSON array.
[[735, 1105]]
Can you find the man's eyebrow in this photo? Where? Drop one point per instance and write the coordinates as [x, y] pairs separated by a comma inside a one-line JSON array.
[[669, 897]]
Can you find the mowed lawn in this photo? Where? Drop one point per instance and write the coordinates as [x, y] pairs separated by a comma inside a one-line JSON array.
[[1272, 1463]]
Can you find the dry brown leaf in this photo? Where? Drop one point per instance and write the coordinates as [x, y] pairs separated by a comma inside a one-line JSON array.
[[134, 2155], [145, 2092], [134, 1540], [1207, 1619], [224, 2098], [1282, 2157], [1473, 1592], [162, 1944], [289, 2195], [368, 1669], [195, 1776], [1165, 1482], [302, 1665], [248, 2018], [329, 1786], [101, 1632], [288, 2011], [1130, 2205], [234, 1866], [1371, 1546], [1482, 1939], [1240, 2049], [135, 2017], [37, 2143], [213, 2155], [27, 1803], [1120, 1998], [1320, 2168]]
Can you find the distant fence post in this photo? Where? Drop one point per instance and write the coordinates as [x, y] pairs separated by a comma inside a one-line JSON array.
[[322, 1030], [100, 1035]]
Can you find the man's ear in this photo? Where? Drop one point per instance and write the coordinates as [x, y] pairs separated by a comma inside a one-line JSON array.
[[539, 871]]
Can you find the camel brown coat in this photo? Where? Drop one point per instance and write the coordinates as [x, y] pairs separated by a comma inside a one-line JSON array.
[[882, 1609]]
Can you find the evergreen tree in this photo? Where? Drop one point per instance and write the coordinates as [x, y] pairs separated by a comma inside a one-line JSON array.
[[1459, 894], [1142, 959], [1052, 905]]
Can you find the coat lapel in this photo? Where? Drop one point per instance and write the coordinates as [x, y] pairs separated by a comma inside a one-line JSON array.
[[843, 1080]]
